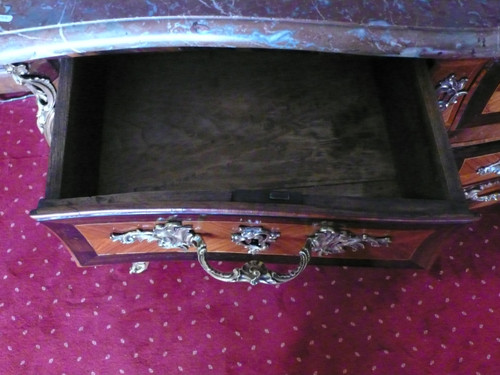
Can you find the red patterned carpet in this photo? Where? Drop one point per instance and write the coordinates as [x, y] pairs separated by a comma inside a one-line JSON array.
[[56, 318]]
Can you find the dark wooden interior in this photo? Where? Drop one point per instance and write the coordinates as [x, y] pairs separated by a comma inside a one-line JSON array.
[[260, 125]]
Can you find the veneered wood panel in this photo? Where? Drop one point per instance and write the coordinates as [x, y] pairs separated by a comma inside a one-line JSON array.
[[485, 184], [475, 135], [217, 235], [468, 170], [493, 105], [473, 70]]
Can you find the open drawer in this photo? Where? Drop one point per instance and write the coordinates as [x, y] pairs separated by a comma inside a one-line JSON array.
[[232, 146]]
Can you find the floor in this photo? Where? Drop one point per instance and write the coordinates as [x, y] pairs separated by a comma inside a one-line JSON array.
[[56, 318]]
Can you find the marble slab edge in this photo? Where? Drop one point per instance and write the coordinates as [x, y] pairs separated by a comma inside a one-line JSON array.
[[89, 37]]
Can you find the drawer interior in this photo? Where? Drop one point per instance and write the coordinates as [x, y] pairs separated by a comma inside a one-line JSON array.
[[256, 120]]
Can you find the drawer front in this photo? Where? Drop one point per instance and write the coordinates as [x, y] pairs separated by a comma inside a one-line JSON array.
[[480, 178], [225, 237], [104, 240], [455, 82]]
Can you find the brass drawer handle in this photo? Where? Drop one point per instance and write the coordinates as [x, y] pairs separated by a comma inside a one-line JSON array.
[[328, 240], [476, 193], [491, 168], [173, 234], [255, 239], [254, 271]]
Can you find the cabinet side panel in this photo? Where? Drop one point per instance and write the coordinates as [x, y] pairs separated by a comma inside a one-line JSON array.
[[83, 127], [53, 189], [417, 131], [440, 148]]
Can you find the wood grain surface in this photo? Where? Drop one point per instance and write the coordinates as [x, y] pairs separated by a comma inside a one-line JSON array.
[[217, 236], [225, 120]]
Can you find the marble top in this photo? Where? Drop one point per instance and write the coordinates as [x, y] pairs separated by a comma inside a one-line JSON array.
[[33, 29]]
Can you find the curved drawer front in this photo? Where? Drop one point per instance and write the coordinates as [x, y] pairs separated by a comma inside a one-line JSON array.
[[264, 238], [480, 177]]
